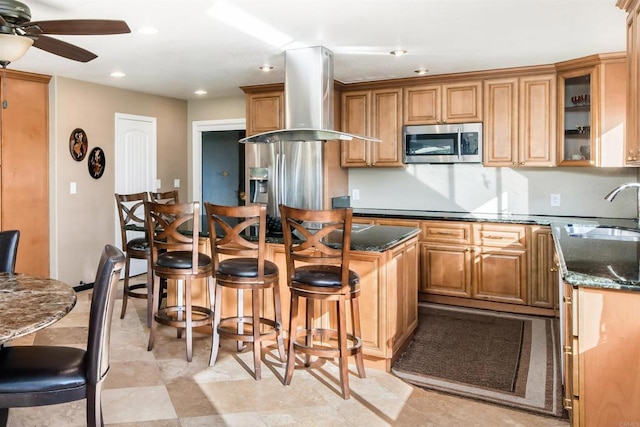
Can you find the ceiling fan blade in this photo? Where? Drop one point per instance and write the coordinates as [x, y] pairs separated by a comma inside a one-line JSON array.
[[77, 27], [60, 48]]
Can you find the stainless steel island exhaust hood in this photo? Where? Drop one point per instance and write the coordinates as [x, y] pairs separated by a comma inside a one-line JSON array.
[[309, 100]]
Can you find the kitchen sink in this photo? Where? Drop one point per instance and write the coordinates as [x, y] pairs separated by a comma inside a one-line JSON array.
[[603, 232]]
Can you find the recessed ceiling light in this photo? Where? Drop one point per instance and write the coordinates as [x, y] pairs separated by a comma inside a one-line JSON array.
[[398, 52], [117, 74], [265, 68], [421, 71], [200, 92], [148, 30]]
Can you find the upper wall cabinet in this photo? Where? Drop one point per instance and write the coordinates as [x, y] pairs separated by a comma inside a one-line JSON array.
[[265, 111], [443, 103], [591, 111], [376, 113], [520, 125], [632, 142]]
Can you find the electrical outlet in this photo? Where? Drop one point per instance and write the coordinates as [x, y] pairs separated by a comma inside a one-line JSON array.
[[176, 183], [355, 194], [158, 184], [555, 200]]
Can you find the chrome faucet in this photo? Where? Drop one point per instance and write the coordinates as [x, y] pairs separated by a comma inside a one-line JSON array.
[[612, 195]]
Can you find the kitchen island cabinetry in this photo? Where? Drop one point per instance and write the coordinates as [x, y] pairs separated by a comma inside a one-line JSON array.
[[601, 347], [386, 259], [591, 111], [376, 113], [443, 103], [520, 122]]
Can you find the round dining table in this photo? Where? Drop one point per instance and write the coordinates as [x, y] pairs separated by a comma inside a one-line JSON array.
[[28, 304]]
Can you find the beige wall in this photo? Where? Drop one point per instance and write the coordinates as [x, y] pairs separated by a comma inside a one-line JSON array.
[[82, 223], [210, 109]]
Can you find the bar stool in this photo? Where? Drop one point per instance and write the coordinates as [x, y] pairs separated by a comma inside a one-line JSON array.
[[173, 231], [170, 196], [238, 263], [324, 249], [131, 212]]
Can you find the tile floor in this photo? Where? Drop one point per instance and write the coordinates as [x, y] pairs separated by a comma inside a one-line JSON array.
[[160, 388]]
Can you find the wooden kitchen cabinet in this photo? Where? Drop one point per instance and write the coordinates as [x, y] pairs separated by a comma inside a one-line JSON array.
[[500, 263], [376, 113], [265, 111], [601, 343], [24, 167], [543, 268], [478, 261], [520, 123], [632, 141], [446, 258], [443, 103], [591, 111]]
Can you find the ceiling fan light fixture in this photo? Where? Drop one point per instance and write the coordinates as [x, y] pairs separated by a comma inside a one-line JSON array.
[[13, 47]]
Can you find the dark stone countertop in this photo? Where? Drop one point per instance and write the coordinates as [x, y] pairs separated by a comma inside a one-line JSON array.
[[375, 238], [611, 264]]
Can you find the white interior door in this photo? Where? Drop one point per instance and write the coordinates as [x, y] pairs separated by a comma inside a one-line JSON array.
[[135, 164]]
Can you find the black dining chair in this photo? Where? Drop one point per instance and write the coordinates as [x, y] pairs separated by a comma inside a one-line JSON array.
[[47, 375], [8, 250]]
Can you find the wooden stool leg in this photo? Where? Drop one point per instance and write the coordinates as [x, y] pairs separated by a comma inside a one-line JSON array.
[[125, 289], [355, 321], [188, 315], [257, 344], [293, 333], [309, 328], [278, 314], [240, 314], [342, 344], [149, 290], [156, 297], [216, 302]]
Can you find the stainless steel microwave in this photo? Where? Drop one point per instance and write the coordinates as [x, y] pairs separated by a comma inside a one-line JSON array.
[[450, 143]]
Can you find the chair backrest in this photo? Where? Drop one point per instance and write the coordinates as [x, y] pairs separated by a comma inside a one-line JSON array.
[[227, 228], [173, 227], [102, 300], [321, 237], [164, 197], [8, 250], [131, 212]]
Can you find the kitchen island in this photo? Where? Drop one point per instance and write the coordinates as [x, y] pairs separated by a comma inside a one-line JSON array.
[[386, 258], [600, 319]]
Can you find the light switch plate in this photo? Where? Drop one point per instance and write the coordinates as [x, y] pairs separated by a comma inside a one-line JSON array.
[[176, 183], [555, 200], [72, 188]]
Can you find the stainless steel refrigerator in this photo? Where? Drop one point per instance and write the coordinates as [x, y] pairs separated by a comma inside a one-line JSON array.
[[295, 174]]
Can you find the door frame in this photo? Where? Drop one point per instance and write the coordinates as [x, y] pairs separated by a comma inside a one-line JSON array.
[[198, 127]]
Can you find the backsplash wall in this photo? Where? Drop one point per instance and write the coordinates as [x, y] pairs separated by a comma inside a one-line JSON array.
[[474, 188]]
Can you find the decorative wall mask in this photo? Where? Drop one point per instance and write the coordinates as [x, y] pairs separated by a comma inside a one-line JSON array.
[[96, 163], [78, 144]]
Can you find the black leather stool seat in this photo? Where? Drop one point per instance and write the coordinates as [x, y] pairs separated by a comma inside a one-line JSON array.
[[245, 267], [181, 259], [28, 369], [325, 276], [138, 244]]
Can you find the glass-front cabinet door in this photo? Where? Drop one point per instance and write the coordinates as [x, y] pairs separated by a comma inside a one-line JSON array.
[[576, 127]]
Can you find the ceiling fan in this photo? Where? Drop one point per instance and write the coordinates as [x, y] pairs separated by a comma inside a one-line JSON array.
[[17, 29]]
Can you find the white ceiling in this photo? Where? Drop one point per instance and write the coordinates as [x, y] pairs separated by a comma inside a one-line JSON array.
[[194, 50]]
